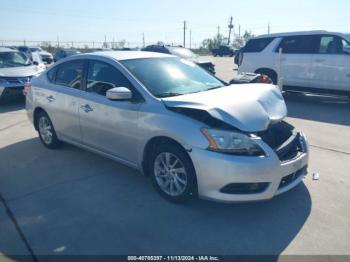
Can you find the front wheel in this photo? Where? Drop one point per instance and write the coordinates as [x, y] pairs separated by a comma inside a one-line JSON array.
[[47, 132], [172, 173]]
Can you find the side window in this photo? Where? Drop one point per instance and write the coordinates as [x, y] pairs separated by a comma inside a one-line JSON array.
[[102, 77], [257, 45], [70, 74], [298, 45], [331, 45]]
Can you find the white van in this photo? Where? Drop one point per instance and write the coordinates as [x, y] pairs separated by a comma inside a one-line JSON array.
[[314, 61]]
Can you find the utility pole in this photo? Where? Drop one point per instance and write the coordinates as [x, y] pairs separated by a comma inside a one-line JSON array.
[[218, 30], [230, 26], [190, 38], [239, 31], [143, 39], [268, 28], [185, 27], [58, 41]]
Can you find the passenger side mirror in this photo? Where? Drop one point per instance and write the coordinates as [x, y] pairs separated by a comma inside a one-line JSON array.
[[119, 93], [346, 49]]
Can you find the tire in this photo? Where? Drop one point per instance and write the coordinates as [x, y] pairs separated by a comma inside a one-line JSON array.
[[172, 173], [47, 132]]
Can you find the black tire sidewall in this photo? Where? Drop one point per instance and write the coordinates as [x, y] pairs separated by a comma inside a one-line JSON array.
[[191, 188]]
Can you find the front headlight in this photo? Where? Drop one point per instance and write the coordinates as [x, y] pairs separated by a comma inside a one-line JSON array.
[[230, 142]]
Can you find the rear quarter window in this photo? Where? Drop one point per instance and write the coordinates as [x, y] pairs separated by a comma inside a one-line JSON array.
[[257, 45], [51, 74]]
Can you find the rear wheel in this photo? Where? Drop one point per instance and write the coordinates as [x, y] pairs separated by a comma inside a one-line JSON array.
[[47, 132], [172, 173]]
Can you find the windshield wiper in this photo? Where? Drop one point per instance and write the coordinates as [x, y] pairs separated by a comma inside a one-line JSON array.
[[168, 94]]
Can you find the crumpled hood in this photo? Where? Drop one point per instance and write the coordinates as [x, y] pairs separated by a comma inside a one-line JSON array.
[[248, 107], [21, 71]]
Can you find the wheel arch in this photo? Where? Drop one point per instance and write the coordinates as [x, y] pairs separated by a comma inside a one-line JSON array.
[[36, 113], [153, 143]]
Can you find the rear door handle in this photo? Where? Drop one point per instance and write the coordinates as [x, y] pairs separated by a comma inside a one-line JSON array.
[[87, 108], [50, 98]]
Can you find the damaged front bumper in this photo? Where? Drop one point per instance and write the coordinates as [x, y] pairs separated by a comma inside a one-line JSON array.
[[229, 178]]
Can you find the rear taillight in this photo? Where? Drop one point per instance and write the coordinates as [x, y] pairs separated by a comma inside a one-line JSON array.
[[27, 87], [264, 79]]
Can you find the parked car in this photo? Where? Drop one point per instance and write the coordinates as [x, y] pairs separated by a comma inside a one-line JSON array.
[[63, 53], [182, 52], [174, 121], [37, 60], [16, 70], [313, 61], [223, 50], [25, 50], [45, 56]]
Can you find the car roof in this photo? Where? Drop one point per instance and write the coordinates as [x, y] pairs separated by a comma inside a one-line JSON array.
[[313, 32], [128, 55], [6, 49]]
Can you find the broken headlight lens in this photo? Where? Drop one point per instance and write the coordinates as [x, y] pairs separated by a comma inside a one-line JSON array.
[[230, 142]]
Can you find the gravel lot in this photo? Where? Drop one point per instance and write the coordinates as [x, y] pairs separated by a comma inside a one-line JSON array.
[[71, 201]]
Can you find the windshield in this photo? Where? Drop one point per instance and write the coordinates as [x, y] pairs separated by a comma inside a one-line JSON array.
[[182, 52], [13, 59], [165, 77]]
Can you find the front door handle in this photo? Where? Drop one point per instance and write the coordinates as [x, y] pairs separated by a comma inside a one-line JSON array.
[[50, 98], [87, 108]]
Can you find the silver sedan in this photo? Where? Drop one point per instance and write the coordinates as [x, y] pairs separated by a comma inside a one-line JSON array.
[[190, 132]]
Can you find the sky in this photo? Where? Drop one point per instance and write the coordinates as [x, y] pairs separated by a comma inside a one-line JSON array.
[[162, 20]]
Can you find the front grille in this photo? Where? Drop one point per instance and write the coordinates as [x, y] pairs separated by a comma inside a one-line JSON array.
[[244, 188], [290, 150], [277, 134], [283, 140], [287, 180]]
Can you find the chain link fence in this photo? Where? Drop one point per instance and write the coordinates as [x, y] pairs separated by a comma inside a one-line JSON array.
[[83, 46]]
